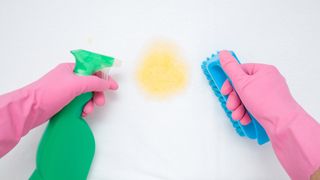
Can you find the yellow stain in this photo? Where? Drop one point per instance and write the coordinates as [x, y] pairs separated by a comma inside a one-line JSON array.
[[162, 71]]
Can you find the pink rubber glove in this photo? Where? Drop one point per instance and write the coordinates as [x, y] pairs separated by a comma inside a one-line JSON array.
[[295, 135], [26, 108]]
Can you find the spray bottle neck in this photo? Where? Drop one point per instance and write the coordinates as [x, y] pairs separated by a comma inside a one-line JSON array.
[[76, 106]]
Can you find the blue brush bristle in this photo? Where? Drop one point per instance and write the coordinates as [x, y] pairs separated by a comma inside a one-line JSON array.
[[216, 76]]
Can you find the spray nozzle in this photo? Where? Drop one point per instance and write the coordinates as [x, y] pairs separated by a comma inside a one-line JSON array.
[[88, 63]]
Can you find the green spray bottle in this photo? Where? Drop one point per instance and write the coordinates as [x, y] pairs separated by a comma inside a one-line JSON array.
[[67, 147]]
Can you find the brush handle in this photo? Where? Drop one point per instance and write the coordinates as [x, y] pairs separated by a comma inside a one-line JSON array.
[[261, 134], [216, 76]]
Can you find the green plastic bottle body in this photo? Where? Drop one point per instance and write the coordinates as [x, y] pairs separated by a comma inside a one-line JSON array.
[[67, 147]]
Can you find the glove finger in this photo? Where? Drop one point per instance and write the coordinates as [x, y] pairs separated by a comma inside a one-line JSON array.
[[238, 113], [231, 66], [226, 88], [89, 107], [245, 119], [233, 101], [93, 84], [99, 98], [113, 85]]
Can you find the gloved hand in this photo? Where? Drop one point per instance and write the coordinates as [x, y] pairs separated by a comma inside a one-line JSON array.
[[295, 135], [26, 108]]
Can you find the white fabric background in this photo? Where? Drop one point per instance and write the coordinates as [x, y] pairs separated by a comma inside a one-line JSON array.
[[186, 137]]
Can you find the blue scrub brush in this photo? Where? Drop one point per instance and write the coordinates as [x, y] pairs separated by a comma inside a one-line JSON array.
[[216, 77]]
